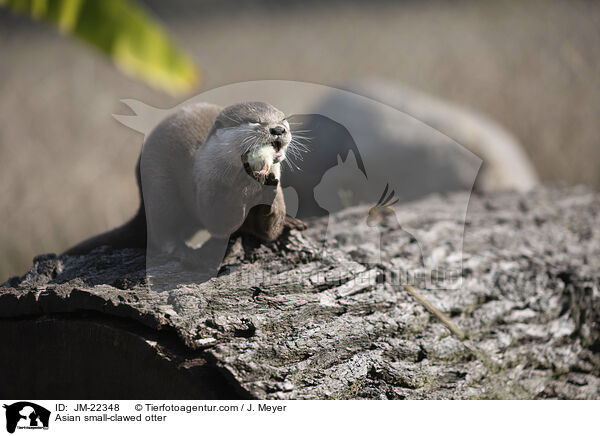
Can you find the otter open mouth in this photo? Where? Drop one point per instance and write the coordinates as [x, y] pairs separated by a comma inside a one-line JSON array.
[[262, 175]]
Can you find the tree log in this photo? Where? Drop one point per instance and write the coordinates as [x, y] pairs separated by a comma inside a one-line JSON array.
[[286, 320]]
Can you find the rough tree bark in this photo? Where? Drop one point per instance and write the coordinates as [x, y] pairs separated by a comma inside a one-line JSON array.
[[529, 303]]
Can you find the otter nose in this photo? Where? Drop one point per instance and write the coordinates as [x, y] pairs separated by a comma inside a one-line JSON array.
[[277, 130]]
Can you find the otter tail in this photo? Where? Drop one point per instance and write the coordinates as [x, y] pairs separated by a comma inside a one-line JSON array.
[[132, 234]]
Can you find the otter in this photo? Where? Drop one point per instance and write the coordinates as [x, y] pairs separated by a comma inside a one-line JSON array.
[[207, 168]]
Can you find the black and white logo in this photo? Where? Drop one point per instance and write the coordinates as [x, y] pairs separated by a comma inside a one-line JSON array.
[[26, 415]]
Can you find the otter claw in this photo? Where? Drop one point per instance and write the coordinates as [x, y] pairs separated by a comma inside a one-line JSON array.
[[271, 180]]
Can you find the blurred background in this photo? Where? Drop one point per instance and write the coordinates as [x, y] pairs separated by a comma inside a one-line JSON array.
[[67, 167]]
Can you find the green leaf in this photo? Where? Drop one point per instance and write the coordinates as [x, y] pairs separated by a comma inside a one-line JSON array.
[[123, 30]]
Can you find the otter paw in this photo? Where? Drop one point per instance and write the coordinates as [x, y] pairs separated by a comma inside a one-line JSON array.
[[271, 180], [294, 223]]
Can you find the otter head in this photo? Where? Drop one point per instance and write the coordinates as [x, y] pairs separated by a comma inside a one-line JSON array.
[[258, 133]]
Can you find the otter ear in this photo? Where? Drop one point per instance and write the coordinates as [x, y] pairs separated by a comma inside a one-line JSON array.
[[217, 124], [339, 159]]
